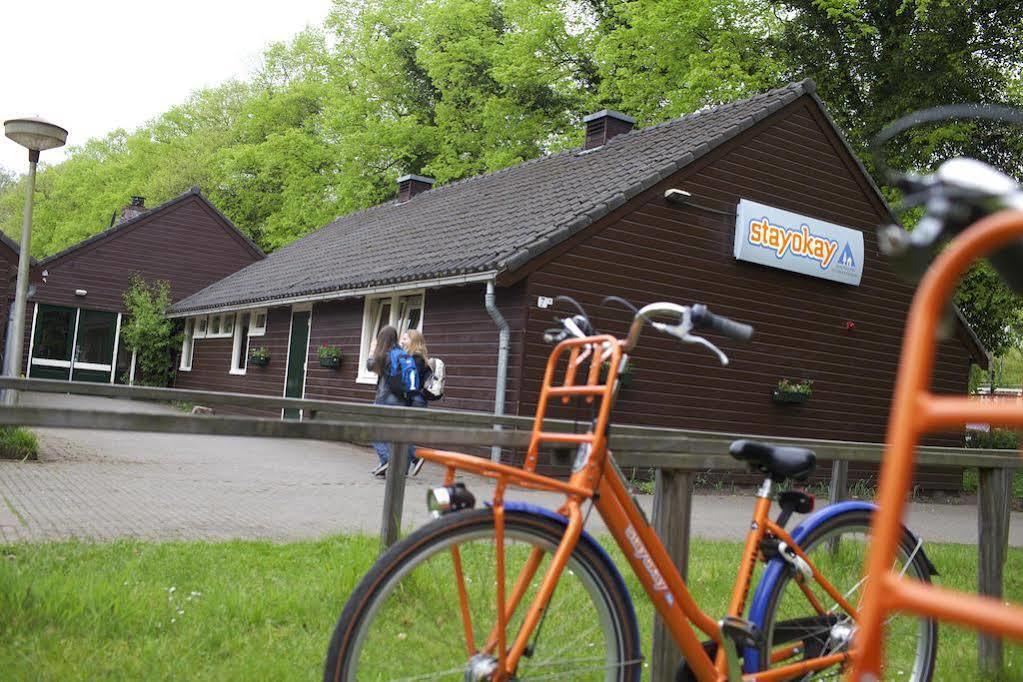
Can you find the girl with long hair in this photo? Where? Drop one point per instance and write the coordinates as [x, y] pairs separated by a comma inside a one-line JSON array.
[[387, 339], [412, 342]]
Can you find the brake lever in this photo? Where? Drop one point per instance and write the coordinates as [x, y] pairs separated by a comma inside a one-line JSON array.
[[681, 332]]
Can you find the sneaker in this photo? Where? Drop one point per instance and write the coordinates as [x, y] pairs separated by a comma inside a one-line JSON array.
[[416, 467], [380, 471]]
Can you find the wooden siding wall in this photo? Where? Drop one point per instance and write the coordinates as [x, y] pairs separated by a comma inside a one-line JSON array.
[[457, 329], [211, 364], [185, 244], [8, 281], [662, 251]]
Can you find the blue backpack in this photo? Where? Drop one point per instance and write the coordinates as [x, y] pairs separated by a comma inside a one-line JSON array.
[[402, 374]]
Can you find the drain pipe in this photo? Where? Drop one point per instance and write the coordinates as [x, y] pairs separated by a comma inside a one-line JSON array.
[[502, 361]]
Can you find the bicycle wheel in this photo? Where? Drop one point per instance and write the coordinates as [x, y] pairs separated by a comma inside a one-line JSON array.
[[404, 620], [794, 630]]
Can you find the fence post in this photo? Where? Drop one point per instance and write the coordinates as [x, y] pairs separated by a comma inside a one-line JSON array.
[[394, 496], [839, 481], [993, 505], [673, 512]]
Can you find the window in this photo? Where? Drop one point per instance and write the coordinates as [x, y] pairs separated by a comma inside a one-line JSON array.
[[257, 323], [240, 347], [202, 327], [187, 343], [403, 311], [214, 326], [228, 325]]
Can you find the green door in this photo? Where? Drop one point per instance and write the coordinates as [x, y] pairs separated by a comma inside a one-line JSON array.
[[94, 346], [53, 342], [298, 351]]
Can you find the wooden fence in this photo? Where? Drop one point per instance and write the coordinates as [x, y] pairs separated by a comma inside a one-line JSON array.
[[676, 455]]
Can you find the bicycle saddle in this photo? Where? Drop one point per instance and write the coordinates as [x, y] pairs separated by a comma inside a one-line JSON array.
[[778, 461]]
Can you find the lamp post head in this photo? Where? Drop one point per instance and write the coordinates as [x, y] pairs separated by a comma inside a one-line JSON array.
[[35, 134]]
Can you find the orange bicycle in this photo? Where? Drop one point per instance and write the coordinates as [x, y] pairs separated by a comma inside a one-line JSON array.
[[981, 209], [514, 591]]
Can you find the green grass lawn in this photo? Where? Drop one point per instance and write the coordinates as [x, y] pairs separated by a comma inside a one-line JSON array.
[[258, 610]]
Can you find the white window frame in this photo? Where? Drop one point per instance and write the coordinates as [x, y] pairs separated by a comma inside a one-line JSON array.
[[203, 322], [210, 334], [187, 344], [253, 329], [369, 324], [236, 348]]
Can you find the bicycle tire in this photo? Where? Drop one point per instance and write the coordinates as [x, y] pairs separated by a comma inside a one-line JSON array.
[[918, 568], [357, 630]]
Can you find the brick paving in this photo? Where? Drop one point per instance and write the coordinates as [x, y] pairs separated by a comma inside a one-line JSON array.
[[102, 485]]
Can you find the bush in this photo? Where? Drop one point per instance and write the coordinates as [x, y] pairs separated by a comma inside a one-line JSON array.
[[998, 439], [149, 333], [18, 443]]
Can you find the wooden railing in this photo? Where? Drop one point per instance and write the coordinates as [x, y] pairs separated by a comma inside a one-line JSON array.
[[676, 455]]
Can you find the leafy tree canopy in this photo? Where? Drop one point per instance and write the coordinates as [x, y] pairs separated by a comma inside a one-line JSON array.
[[453, 88]]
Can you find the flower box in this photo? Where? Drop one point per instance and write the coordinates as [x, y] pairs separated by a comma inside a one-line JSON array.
[[330, 363], [790, 397], [259, 357]]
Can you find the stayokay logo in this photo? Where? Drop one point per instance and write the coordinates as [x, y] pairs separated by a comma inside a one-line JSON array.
[[798, 241], [639, 551]]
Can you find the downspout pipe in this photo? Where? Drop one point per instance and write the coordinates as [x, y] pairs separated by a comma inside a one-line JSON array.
[[504, 336]]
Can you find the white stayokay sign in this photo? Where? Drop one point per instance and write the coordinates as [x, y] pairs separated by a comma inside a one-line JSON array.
[[786, 240]]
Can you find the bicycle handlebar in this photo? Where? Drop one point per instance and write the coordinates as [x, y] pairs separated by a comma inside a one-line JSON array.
[[704, 319]]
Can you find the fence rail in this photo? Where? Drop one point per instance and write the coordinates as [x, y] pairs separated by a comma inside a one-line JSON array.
[[674, 453]]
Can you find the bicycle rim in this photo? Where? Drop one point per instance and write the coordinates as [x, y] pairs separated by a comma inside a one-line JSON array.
[[838, 549], [410, 626]]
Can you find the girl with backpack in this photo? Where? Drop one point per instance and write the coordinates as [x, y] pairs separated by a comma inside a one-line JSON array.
[[379, 362], [413, 343]]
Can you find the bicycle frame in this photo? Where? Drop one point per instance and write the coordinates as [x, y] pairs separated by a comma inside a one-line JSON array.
[[592, 479], [916, 411]]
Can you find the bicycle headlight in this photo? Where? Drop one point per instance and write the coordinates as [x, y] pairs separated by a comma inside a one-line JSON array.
[[449, 498]]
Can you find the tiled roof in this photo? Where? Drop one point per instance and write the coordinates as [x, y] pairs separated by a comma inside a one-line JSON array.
[[493, 222]]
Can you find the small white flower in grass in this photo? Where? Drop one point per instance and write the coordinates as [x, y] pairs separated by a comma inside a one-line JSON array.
[[172, 589], [181, 612], [402, 635], [174, 620]]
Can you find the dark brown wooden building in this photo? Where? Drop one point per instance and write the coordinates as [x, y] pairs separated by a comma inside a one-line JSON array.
[[76, 312], [9, 254], [588, 223]]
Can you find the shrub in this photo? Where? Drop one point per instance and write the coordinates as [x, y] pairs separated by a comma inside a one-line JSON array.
[[148, 333], [998, 439], [18, 443]]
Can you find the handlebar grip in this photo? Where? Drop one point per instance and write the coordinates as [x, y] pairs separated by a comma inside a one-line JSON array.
[[704, 319]]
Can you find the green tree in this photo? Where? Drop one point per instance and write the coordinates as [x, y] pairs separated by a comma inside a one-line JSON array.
[[148, 332]]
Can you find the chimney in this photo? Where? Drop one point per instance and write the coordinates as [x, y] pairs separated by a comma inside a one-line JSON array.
[[136, 208], [603, 125], [411, 185]]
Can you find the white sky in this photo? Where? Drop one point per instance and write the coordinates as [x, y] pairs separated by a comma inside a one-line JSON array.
[[94, 66]]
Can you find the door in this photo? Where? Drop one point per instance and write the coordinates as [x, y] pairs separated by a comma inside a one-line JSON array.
[[298, 353], [94, 346], [53, 342]]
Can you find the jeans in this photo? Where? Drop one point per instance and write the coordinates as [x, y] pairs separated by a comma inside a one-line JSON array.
[[384, 449], [417, 401]]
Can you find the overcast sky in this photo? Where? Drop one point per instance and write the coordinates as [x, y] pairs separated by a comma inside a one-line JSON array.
[[94, 66]]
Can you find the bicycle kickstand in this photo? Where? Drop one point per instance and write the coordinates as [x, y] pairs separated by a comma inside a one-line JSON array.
[[735, 633]]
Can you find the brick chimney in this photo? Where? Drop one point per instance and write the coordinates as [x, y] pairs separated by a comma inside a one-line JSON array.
[[136, 208], [603, 125], [411, 185]]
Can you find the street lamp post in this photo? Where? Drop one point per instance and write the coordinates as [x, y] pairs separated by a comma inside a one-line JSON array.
[[35, 135]]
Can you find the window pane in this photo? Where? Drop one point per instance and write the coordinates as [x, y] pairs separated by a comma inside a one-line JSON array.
[[228, 324], [383, 316], [215, 325], [203, 324], [96, 337], [54, 333], [260, 322]]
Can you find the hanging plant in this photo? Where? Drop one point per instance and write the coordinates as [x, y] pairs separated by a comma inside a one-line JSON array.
[[330, 356], [260, 356], [788, 391]]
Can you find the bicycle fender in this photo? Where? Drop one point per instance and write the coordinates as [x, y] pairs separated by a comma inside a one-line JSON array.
[[775, 567], [585, 537]]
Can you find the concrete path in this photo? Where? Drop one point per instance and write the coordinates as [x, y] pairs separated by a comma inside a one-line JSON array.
[[103, 485]]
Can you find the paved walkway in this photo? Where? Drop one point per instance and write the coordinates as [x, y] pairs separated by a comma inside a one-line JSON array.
[[105, 484]]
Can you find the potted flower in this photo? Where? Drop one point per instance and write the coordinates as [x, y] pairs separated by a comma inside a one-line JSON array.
[[260, 356], [789, 391], [624, 377], [330, 356]]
